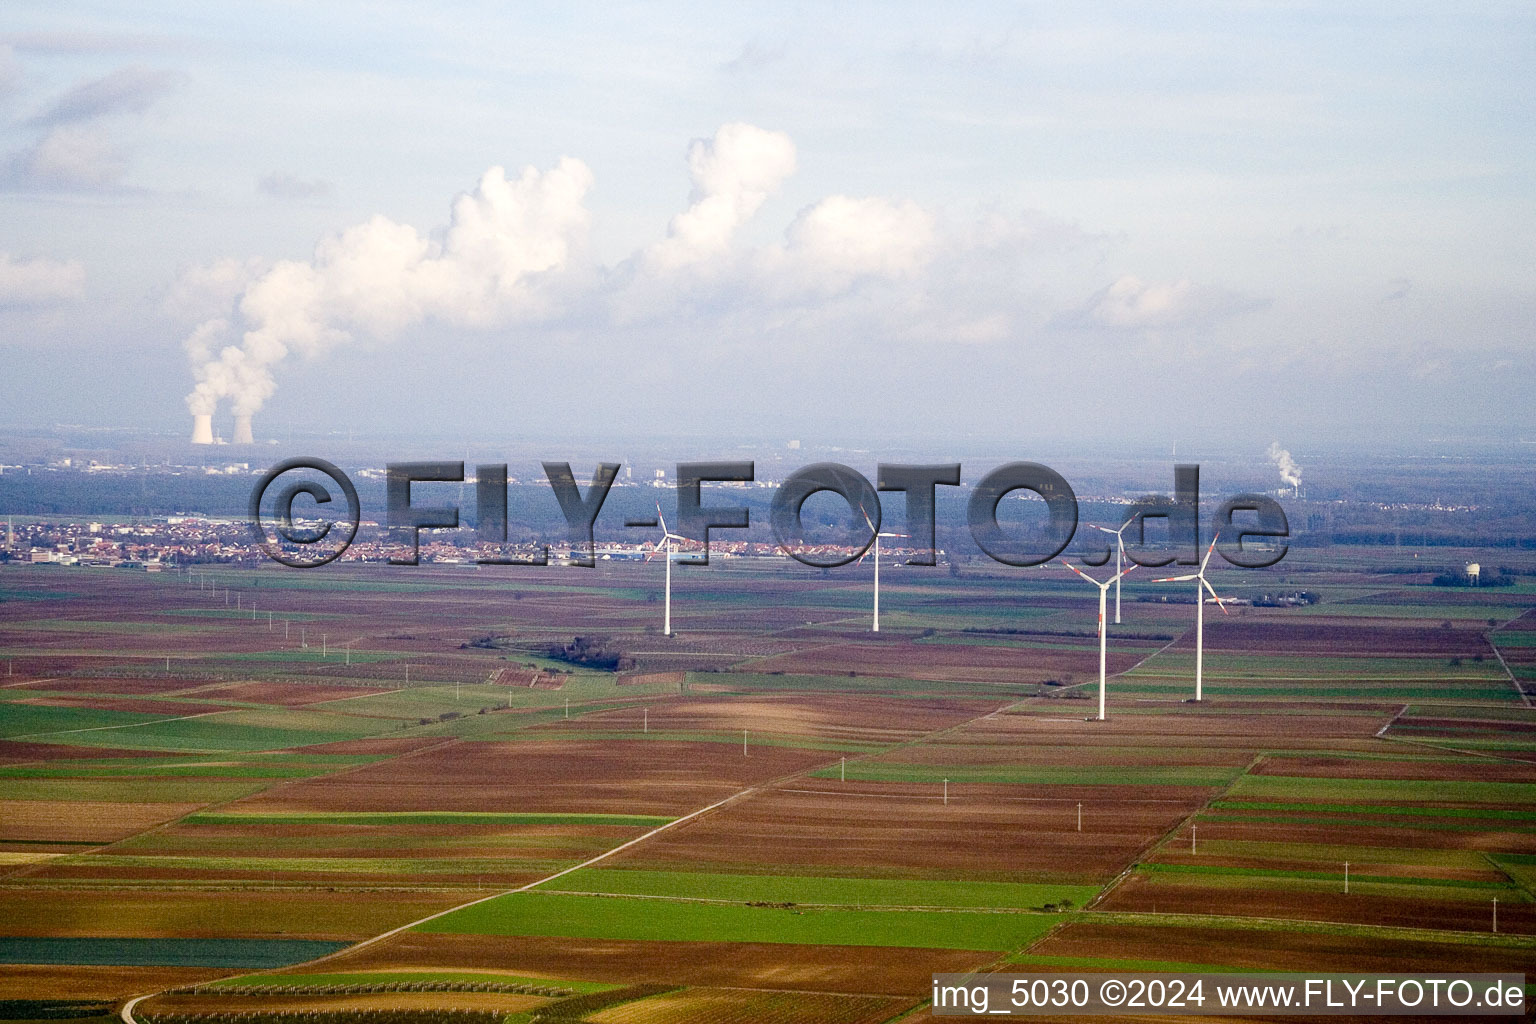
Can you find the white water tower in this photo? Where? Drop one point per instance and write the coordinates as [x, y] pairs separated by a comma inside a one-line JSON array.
[[1474, 573]]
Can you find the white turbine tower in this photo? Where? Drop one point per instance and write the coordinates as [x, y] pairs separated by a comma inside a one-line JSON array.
[[1119, 536], [665, 543], [1200, 588], [875, 628], [1103, 628]]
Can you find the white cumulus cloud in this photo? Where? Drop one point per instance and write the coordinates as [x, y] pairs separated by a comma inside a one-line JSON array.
[[380, 278], [843, 236], [733, 174]]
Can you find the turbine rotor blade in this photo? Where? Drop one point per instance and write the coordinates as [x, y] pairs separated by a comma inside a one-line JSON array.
[[1084, 575], [1208, 552], [1219, 602], [1178, 579]]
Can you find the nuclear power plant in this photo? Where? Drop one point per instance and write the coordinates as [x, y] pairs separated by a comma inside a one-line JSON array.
[[202, 430]]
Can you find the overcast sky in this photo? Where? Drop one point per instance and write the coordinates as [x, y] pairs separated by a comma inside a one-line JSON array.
[[1225, 222]]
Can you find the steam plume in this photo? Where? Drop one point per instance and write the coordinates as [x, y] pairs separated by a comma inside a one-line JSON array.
[[381, 278], [1289, 471]]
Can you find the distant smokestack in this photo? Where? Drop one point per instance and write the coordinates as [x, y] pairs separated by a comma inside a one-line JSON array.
[[243, 431], [202, 429]]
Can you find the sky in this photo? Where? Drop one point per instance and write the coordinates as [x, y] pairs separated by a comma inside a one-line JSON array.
[[1213, 224]]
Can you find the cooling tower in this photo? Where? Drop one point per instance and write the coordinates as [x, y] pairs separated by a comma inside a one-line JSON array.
[[202, 429], [243, 431]]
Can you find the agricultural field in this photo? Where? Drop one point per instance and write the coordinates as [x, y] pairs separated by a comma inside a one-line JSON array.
[[368, 788]]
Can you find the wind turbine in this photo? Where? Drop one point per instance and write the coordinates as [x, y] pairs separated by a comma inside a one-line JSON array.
[[875, 628], [1200, 589], [1119, 536], [667, 537], [1103, 629]]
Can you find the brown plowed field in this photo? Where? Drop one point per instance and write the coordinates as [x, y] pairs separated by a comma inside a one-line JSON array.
[[250, 913], [564, 841], [956, 750], [106, 684], [211, 1002], [555, 775], [874, 970], [1377, 833], [254, 878], [1383, 863], [1249, 635], [1278, 949], [944, 662], [1189, 727], [16, 751], [65, 981], [822, 826], [83, 820]]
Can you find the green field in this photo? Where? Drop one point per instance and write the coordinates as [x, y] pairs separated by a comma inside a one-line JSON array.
[[65, 724], [869, 892], [620, 917], [1374, 791]]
